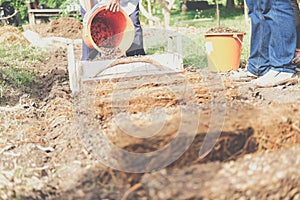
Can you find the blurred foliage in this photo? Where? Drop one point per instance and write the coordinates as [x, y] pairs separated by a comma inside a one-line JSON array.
[[18, 69], [21, 6], [16, 65], [51, 3]]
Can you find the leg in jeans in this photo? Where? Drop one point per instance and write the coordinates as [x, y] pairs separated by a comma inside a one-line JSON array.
[[137, 45], [273, 36], [258, 61], [297, 21], [283, 36], [295, 6]]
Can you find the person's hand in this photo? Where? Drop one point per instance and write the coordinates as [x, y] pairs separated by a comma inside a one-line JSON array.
[[113, 5]]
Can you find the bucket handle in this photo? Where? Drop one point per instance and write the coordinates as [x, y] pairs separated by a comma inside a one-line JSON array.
[[236, 37]]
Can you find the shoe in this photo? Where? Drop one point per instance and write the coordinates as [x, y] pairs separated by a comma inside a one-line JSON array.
[[274, 78], [296, 59], [242, 75], [92, 55], [137, 52]]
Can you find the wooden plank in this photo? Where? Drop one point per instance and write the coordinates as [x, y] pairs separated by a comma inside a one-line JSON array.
[[73, 70], [45, 10], [34, 13], [47, 14], [156, 64]]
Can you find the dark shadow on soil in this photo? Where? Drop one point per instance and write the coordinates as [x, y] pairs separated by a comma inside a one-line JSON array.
[[112, 184], [49, 84]]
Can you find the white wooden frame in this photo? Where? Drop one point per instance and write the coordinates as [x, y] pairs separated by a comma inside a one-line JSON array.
[[156, 64]]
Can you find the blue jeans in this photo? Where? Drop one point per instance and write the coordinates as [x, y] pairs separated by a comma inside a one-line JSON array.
[[137, 47], [273, 36], [297, 20]]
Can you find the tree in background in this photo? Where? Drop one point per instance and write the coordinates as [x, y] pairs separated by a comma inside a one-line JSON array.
[[166, 6], [20, 5], [52, 3], [230, 4], [162, 6], [148, 13]]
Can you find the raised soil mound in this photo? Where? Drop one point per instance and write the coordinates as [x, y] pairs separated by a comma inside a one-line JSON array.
[[66, 27], [11, 35]]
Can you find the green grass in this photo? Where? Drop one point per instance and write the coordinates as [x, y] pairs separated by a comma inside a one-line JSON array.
[[194, 43], [18, 77], [17, 68], [17, 63]]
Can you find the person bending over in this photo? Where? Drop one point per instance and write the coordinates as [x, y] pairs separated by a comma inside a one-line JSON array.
[[130, 7]]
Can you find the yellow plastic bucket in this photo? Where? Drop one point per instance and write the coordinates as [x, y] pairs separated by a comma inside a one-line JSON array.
[[223, 51], [103, 29]]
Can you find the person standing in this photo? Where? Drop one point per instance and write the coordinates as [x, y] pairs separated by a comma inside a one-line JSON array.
[[130, 7], [273, 42]]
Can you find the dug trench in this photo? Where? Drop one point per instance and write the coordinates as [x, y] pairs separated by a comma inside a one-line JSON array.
[[243, 162], [256, 154]]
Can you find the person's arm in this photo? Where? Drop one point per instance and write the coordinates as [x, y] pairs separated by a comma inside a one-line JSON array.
[[86, 4], [113, 5]]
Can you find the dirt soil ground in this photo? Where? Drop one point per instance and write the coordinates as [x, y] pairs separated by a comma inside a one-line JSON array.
[[51, 146]]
